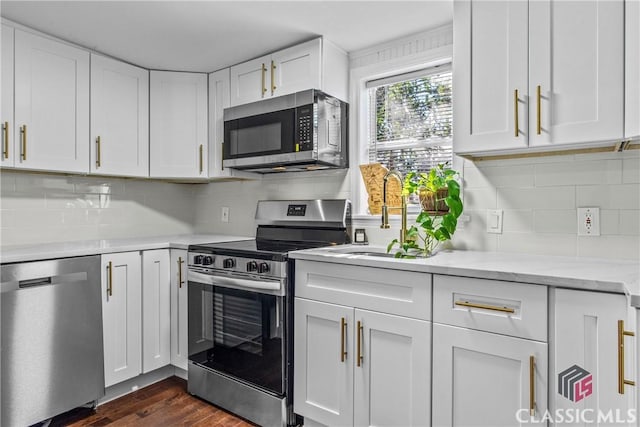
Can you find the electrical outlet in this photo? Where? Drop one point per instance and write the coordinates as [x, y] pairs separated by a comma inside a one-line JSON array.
[[225, 214], [588, 221], [494, 221]]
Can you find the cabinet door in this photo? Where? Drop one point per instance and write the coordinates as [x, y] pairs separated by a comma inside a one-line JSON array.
[[632, 69], [179, 305], [178, 116], [392, 381], [584, 328], [219, 99], [51, 105], [156, 310], [249, 81], [484, 379], [490, 55], [121, 316], [576, 50], [323, 374], [296, 68], [7, 156], [119, 118]]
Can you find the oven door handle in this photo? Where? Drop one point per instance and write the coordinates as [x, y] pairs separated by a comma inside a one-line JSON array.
[[273, 287]]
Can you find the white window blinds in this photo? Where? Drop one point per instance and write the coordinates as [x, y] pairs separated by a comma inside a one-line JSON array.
[[410, 120]]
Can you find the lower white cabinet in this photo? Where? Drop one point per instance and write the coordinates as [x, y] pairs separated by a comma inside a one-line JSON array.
[[121, 316], [179, 306], [486, 379], [156, 310], [360, 367]]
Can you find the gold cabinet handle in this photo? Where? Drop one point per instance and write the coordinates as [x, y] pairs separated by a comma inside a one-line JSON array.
[[98, 152], [222, 156], [539, 100], [23, 134], [273, 77], [343, 333], [201, 157], [515, 112], [180, 281], [264, 85], [110, 279], [532, 386], [359, 356], [5, 135], [621, 334], [485, 306]]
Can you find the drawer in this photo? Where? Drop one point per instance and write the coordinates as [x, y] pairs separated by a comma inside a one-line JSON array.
[[508, 308], [398, 292]]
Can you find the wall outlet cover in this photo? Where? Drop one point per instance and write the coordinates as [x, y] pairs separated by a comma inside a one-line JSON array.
[[589, 221], [494, 221], [225, 214]]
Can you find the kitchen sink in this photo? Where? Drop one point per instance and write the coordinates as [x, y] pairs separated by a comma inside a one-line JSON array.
[[367, 253]]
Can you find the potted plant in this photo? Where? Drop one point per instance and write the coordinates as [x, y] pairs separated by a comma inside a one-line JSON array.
[[439, 193]]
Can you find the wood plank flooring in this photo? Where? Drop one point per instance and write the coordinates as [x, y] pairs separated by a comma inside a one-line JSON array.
[[166, 403]]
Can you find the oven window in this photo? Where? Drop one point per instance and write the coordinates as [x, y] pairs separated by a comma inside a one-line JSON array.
[[257, 138], [238, 333]]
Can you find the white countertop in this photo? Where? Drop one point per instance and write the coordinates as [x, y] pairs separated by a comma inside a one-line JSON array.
[[96, 247], [592, 274]]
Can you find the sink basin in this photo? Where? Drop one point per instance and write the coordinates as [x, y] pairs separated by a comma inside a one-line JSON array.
[[365, 253]]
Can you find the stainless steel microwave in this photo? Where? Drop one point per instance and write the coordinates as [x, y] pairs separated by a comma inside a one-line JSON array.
[[302, 131]]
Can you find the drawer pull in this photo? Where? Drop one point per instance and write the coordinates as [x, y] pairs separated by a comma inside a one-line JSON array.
[[359, 356], [110, 279], [343, 329], [621, 334], [532, 386], [515, 110], [485, 306]]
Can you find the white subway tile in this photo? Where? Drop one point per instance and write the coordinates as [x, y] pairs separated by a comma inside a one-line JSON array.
[[479, 198], [631, 170], [609, 221], [23, 201], [7, 183], [618, 247], [629, 222], [536, 198], [538, 243], [585, 172], [561, 221], [624, 196], [517, 220], [526, 161], [39, 183], [32, 218]]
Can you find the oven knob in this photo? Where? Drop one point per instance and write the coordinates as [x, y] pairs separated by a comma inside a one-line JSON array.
[[252, 266], [263, 267], [197, 259], [229, 263], [208, 260]]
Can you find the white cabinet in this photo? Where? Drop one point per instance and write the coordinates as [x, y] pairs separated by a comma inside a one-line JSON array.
[[179, 306], [156, 310], [219, 93], [486, 379], [121, 316], [587, 331], [51, 105], [119, 118], [7, 156], [632, 69], [537, 74], [178, 121], [316, 64]]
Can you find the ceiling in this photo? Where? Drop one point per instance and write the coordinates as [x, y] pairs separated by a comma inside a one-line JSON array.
[[208, 35]]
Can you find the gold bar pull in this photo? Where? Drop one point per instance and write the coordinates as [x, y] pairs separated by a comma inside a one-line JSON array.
[[343, 333], [23, 134], [201, 158], [359, 356], [532, 386], [222, 156], [110, 279], [515, 112], [539, 98], [98, 152], [485, 306], [5, 134], [264, 85], [273, 77], [180, 281], [621, 334]]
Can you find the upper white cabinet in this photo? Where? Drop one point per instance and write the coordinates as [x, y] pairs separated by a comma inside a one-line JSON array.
[[156, 310], [316, 64], [119, 118], [51, 105], [219, 94], [178, 118], [537, 74], [632, 70], [7, 156], [179, 307]]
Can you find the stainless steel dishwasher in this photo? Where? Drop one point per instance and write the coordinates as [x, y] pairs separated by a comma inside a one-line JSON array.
[[52, 358]]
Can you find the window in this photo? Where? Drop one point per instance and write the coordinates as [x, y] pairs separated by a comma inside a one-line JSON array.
[[410, 120]]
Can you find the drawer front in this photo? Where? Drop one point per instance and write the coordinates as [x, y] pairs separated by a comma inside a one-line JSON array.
[[398, 292], [508, 308]]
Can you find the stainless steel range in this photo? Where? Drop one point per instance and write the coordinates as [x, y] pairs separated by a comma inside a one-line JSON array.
[[241, 308]]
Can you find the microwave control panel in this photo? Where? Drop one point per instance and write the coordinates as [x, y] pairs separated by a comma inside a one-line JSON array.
[[305, 128]]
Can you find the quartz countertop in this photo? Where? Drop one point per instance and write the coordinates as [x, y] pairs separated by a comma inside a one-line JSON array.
[[24, 253], [593, 274]]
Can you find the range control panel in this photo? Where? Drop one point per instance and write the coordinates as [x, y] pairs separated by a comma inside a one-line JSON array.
[[208, 263]]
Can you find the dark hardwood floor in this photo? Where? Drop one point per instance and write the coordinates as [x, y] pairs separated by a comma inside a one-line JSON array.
[[166, 403]]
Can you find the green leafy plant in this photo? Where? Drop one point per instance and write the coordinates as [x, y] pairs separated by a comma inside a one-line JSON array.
[[432, 228]]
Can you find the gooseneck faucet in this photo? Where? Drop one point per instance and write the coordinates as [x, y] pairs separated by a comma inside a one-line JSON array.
[[385, 208]]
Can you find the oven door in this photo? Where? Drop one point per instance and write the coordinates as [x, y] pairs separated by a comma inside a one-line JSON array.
[[236, 328]]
